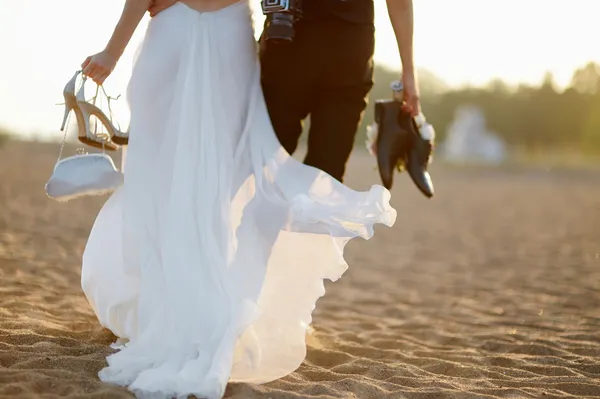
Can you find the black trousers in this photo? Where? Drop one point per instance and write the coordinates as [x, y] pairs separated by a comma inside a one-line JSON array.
[[327, 73]]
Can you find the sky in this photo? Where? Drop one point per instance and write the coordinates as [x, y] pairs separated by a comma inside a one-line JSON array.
[[43, 42]]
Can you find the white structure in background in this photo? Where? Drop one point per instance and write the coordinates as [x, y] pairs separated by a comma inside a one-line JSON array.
[[468, 139]]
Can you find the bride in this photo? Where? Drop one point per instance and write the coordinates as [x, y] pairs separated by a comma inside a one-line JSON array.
[[208, 261]]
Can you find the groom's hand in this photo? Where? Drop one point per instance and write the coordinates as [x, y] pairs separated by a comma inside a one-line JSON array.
[[157, 6], [412, 102]]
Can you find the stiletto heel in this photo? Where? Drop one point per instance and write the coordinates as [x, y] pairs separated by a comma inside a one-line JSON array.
[[70, 100], [83, 112], [64, 122]]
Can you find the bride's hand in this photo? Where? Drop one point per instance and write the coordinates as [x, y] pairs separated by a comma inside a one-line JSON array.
[[99, 66]]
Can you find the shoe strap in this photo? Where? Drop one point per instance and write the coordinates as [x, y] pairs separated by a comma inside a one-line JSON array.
[[111, 115]]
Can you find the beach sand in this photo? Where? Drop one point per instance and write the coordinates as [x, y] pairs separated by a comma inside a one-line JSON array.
[[489, 290]]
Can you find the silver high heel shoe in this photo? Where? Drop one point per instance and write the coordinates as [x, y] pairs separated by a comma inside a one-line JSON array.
[[83, 112], [72, 102]]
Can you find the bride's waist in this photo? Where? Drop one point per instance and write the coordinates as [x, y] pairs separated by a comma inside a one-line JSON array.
[[227, 14], [213, 6]]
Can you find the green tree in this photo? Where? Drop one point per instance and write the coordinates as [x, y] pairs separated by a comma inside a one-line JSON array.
[[587, 79], [591, 128]]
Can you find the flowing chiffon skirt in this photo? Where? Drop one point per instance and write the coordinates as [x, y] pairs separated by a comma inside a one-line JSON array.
[[208, 261]]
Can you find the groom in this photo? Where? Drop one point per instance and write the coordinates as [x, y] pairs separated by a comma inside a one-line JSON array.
[[326, 73]]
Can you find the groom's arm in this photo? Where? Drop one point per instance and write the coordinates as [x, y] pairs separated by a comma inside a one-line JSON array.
[[401, 17]]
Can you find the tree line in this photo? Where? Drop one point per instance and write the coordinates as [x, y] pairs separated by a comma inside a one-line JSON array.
[[530, 118]]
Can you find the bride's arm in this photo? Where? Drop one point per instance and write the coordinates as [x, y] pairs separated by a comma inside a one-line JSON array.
[[99, 66], [130, 18]]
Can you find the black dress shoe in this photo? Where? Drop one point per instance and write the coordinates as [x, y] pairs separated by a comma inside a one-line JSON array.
[[392, 140], [400, 146]]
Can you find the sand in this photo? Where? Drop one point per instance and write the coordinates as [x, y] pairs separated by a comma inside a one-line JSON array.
[[491, 290]]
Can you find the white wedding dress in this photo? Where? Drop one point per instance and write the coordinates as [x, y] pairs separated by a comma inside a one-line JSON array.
[[208, 261]]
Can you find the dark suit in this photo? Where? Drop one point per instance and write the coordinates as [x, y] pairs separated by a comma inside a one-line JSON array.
[[326, 73]]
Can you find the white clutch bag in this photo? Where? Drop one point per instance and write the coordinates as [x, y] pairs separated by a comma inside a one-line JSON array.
[[83, 175]]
